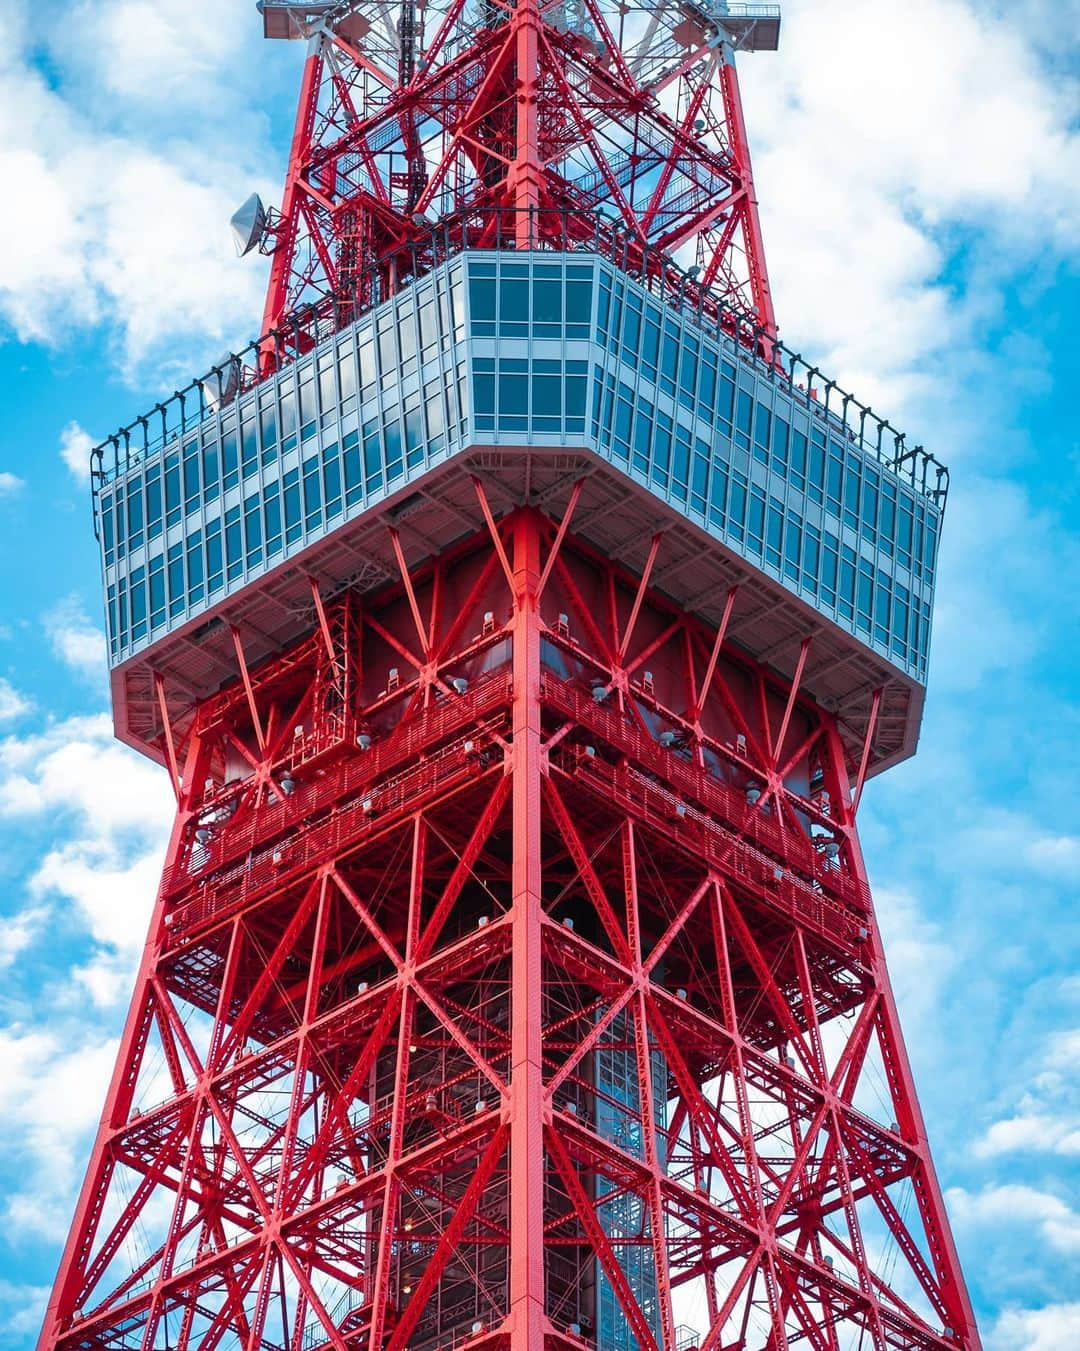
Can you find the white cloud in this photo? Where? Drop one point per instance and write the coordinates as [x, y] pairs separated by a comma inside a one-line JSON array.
[[154, 50], [1057, 855], [130, 223], [918, 957], [1065, 1045], [12, 704], [10, 483], [1047, 1115], [110, 811], [1054, 1328], [76, 641], [22, 1308], [879, 128], [75, 447], [105, 812], [1033, 1131], [51, 1091], [17, 932], [1013, 1204]]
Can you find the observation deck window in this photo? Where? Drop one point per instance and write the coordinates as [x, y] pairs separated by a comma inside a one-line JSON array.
[[687, 411]]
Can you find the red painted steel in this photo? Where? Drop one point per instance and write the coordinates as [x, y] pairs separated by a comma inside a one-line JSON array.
[[427, 866], [510, 821], [491, 125]]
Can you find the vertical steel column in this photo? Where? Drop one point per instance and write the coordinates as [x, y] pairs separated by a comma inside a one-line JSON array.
[[277, 291], [526, 1074], [525, 173], [912, 1127]]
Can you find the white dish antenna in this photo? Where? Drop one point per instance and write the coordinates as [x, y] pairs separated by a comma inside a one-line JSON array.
[[223, 382], [248, 225]]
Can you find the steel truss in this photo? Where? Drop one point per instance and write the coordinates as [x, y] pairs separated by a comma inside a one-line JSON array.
[[478, 123], [515, 812]]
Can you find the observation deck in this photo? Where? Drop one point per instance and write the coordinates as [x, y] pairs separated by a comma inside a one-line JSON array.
[[529, 371]]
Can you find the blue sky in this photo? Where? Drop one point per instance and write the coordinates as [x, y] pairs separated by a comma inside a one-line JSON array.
[[919, 172]]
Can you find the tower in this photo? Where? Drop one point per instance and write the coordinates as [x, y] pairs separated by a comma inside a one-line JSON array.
[[518, 622]]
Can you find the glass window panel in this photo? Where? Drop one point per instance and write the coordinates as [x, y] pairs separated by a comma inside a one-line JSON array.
[[414, 430], [388, 357], [332, 484], [191, 480], [214, 564], [650, 346], [194, 567], [547, 301], [135, 512], [269, 423], [792, 550], [312, 494], [291, 496], [157, 591], [354, 484], [632, 324], [108, 538], [230, 458], [234, 544], [249, 446], [513, 394], [578, 306], [272, 516], [210, 467], [513, 304], [547, 395], [575, 396], [744, 410], [367, 369], [392, 435]]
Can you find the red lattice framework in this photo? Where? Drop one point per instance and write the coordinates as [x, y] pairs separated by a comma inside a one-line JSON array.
[[474, 123], [513, 810]]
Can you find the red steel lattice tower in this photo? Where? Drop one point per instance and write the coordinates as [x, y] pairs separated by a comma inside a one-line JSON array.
[[518, 622]]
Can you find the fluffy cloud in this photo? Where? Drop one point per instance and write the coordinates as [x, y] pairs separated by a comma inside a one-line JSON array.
[[125, 228], [919, 958], [75, 447], [12, 704], [51, 1091], [956, 125], [1054, 1328], [76, 641], [1046, 1119], [1032, 1131], [10, 483], [21, 1308], [17, 933], [1058, 855], [110, 811], [1013, 1204]]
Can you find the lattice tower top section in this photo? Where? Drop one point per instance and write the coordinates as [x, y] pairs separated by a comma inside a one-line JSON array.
[[512, 125]]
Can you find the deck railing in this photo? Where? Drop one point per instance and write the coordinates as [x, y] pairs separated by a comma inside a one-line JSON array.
[[547, 230]]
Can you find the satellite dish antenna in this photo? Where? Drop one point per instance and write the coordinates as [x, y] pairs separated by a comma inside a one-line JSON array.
[[248, 225], [223, 382]]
